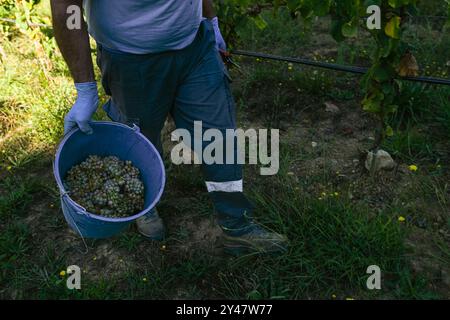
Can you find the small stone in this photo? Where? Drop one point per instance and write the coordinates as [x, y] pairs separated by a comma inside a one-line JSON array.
[[314, 144], [445, 277], [331, 108], [381, 160]]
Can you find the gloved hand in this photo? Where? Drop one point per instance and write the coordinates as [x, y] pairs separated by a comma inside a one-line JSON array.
[[220, 42], [83, 109]]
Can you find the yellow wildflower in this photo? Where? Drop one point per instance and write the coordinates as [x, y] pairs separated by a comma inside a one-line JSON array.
[[413, 167], [62, 273], [401, 219]]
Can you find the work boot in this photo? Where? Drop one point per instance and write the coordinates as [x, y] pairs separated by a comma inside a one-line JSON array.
[[256, 240], [151, 226]]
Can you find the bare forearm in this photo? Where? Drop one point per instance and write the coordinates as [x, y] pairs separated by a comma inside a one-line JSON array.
[[208, 9], [74, 44]]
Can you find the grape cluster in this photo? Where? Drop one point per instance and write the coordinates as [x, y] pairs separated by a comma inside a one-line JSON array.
[[106, 186]]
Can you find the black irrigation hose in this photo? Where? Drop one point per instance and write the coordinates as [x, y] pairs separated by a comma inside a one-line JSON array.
[[325, 65], [333, 66]]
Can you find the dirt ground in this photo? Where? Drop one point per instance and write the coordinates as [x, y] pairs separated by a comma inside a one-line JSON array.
[[341, 140]]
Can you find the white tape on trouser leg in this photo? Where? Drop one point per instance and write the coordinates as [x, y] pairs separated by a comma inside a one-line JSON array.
[[227, 186]]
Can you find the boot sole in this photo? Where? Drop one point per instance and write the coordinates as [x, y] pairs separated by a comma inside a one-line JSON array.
[[241, 251], [159, 237], [243, 247]]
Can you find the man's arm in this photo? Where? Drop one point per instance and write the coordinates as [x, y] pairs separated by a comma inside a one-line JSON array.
[[208, 9], [74, 44], [210, 13]]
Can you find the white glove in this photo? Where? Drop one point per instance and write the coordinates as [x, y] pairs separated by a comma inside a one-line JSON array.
[[220, 42], [84, 108]]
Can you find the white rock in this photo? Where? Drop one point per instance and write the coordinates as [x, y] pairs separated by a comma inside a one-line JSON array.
[[331, 107], [383, 161], [314, 144]]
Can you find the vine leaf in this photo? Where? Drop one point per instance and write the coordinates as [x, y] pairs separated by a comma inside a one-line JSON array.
[[389, 131], [259, 22], [381, 73], [350, 30], [336, 30], [321, 8], [392, 28], [372, 103]]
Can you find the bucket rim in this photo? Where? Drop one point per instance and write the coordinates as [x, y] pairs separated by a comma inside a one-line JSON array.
[[65, 194]]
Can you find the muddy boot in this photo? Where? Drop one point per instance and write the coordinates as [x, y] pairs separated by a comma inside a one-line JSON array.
[[151, 226], [257, 240]]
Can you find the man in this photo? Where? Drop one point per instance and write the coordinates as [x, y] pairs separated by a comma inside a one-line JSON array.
[[158, 57]]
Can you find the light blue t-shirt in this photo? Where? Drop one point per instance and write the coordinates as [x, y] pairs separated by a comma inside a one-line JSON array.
[[143, 26]]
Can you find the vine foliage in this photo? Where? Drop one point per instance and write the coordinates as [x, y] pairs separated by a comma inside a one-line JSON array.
[[391, 58]]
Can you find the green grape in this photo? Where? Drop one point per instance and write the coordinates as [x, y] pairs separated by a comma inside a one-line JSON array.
[[106, 186]]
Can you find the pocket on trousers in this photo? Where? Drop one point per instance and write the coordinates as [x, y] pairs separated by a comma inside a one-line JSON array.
[[102, 63], [227, 74], [113, 112], [229, 97]]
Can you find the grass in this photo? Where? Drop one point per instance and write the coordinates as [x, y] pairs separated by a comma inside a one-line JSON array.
[[18, 197], [338, 219], [332, 245]]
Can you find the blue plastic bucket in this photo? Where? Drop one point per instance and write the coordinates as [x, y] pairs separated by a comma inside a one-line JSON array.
[[108, 139]]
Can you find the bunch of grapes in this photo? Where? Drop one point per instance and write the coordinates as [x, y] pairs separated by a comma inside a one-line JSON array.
[[106, 186]]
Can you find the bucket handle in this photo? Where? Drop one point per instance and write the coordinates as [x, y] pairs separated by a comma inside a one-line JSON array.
[[135, 127], [64, 198], [65, 194]]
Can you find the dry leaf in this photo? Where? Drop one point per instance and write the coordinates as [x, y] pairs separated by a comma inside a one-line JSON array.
[[408, 66]]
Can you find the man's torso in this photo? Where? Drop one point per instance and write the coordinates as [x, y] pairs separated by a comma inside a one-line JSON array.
[[143, 26]]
